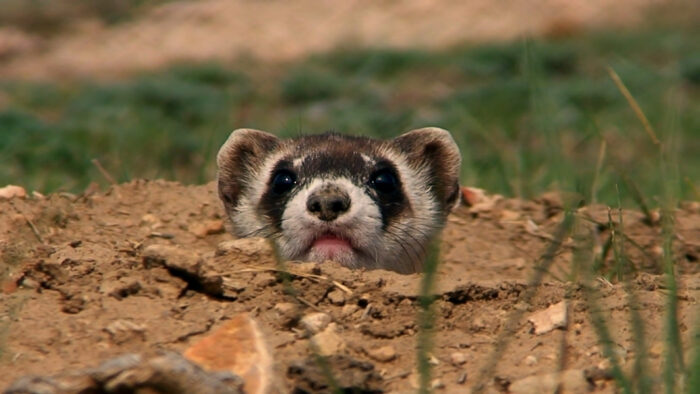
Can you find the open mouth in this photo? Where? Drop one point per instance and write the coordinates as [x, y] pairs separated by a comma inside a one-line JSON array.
[[331, 246]]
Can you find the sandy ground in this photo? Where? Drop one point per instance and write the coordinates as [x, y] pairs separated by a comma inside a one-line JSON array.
[[276, 30], [84, 287]]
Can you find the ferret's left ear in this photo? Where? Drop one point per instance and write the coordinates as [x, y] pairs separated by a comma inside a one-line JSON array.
[[435, 149]]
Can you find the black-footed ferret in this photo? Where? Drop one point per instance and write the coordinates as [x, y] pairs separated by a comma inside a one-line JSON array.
[[359, 201]]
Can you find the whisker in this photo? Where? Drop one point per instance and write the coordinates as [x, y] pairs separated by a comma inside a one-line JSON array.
[[399, 241], [260, 231], [413, 257], [419, 243]]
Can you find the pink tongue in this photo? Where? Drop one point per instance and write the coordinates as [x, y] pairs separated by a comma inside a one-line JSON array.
[[331, 246]]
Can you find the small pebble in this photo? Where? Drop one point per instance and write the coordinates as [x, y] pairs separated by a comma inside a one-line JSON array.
[[336, 297], [349, 309], [433, 360], [530, 360], [207, 227], [656, 349], [462, 378], [150, 220], [458, 358], [437, 384]]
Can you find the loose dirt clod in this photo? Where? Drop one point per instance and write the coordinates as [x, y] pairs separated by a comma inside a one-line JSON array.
[[337, 297], [172, 257], [383, 354], [329, 342], [208, 227]]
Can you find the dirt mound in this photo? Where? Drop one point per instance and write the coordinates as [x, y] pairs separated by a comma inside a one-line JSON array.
[[146, 267], [279, 31]]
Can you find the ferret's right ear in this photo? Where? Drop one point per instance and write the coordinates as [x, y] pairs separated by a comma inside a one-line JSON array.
[[243, 152]]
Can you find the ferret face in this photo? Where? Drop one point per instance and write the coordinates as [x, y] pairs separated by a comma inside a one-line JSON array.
[[358, 201]]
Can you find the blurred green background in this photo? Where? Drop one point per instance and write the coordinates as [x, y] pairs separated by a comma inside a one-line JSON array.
[[530, 115]]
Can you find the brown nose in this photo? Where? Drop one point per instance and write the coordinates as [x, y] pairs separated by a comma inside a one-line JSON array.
[[328, 203]]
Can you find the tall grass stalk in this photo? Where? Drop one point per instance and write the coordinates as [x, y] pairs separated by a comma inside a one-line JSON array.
[[634, 105], [693, 382], [586, 261], [673, 355], [641, 378], [426, 317], [598, 169]]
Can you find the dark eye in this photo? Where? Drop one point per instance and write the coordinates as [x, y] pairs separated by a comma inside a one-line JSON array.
[[283, 181], [384, 181]]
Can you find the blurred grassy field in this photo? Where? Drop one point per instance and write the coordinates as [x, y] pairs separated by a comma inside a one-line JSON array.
[[530, 116]]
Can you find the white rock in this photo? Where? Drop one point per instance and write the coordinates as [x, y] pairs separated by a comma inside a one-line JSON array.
[[433, 360], [547, 320], [315, 322], [437, 384]]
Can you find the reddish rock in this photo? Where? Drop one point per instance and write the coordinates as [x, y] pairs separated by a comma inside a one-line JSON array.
[[11, 191], [237, 346]]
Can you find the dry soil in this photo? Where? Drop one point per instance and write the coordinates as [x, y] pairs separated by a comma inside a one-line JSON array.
[[83, 283]]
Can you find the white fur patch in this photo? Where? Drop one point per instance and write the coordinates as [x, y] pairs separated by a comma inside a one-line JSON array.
[[361, 224]]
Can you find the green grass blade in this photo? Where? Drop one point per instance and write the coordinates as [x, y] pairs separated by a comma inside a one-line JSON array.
[[426, 317], [673, 357]]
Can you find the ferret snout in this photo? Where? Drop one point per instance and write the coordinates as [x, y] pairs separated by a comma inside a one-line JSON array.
[[328, 202]]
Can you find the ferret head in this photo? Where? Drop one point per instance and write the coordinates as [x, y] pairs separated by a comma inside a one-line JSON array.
[[358, 201]]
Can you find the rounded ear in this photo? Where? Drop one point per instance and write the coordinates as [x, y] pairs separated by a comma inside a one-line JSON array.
[[434, 148], [244, 151]]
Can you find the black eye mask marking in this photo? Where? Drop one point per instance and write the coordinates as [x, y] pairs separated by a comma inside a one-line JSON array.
[[283, 181], [386, 190], [280, 189]]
